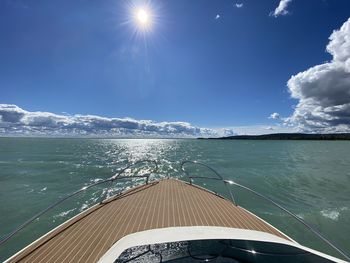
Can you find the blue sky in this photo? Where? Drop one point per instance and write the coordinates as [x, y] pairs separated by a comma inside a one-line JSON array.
[[83, 57]]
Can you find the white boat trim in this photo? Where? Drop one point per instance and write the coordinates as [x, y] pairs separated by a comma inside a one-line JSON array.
[[177, 234]]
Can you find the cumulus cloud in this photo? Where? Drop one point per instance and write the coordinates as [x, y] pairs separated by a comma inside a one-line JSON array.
[[323, 91], [16, 121], [226, 132], [275, 116], [239, 5], [281, 9]]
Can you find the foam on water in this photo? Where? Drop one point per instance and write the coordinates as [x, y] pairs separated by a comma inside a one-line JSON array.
[[331, 214], [64, 213], [334, 214]]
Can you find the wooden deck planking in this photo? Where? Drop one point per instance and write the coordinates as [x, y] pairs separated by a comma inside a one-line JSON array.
[[166, 203]]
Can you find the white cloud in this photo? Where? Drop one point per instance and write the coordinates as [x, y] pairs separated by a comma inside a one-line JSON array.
[[275, 116], [226, 132], [16, 121], [239, 5], [281, 9], [323, 91], [217, 16]]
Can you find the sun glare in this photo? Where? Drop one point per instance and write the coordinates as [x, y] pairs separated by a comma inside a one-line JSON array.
[[143, 18]]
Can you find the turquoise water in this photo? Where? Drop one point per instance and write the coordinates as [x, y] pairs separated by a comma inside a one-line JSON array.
[[311, 178]]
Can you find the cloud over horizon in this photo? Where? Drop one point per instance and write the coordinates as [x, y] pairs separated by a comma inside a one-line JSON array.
[[323, 91], [17, 121]]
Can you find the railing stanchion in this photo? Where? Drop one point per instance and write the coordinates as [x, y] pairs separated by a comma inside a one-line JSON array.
[[231, 194]]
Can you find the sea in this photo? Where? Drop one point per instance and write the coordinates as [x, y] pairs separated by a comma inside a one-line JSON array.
[[309, 178]]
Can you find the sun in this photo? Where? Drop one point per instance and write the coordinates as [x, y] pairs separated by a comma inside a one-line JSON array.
[[143, 18]]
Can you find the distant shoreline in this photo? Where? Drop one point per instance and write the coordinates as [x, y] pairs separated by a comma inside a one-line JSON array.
[[288, 136]]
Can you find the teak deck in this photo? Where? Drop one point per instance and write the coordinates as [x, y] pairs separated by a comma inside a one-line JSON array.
[[166, 203]]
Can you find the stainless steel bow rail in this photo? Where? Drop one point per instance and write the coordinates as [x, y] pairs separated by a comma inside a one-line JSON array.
[[230, 182], [111, 180], [217, 178]]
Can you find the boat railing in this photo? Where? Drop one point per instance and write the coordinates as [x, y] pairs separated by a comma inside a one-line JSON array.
[[111, 180], [217, 178], [228, 183]]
